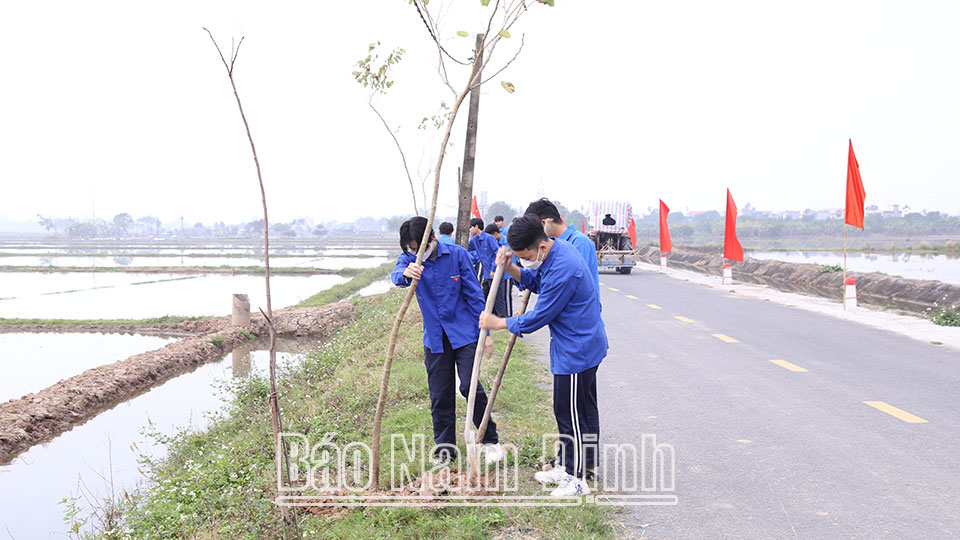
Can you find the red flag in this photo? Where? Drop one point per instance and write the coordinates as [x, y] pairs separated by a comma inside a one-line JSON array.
[[632, 232], [665, 245], [855, 193], [731, 246], [474, 209], [583, 227]]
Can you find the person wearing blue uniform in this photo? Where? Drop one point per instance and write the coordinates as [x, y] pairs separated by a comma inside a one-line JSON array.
[[568, 303], [446, 233], [486, 246], [498, 221], [450, 302], [553, 225], [503, 304]]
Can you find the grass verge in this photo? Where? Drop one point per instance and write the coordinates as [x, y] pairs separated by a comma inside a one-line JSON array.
[[342, 291], [220, 483]]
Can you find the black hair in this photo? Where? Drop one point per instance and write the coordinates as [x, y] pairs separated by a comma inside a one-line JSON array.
[[476, 222], [497, 218], [446, 227], [544, 209], [412, 230], [526, 232], [492, 228]]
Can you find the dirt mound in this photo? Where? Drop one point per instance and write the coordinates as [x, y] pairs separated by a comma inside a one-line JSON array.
[[872, 288], [35, 418]]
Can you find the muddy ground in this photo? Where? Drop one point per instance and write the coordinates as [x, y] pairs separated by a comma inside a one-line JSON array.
[[38, 417]]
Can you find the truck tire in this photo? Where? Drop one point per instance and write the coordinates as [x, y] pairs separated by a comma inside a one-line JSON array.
[[625, 270], [625, 243]]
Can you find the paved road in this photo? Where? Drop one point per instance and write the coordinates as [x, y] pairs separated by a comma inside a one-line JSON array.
[[764, 450]]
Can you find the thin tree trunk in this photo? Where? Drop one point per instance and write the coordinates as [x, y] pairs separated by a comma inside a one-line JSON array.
[[413, 193], [280, 451], [391, 347]]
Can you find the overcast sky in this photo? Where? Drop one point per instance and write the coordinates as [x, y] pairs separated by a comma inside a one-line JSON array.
[[112, 107]]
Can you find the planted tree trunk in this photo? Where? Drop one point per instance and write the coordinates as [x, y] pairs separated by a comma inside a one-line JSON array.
[[280, 451], [392, 345], [469, 156]]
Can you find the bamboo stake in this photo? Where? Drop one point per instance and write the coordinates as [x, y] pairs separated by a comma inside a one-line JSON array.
[[482, 430], [469, 433]]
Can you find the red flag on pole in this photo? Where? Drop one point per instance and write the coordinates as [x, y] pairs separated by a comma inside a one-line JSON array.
[[632, 233], [583, 227], [666, 246], [474, 209], [855, 193], [731, 246]]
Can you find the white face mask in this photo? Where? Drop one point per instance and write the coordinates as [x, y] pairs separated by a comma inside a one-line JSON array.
[[532, 265], [429, 251]]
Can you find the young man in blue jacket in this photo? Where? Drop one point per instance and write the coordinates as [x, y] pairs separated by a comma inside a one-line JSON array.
[[553, 225], [567, 302], [486, 246], [450, 302], [446, 233]]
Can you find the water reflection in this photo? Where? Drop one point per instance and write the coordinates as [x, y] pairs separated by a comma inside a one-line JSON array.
[[32, 362], [136, 296], [103, 447], [907, 265]]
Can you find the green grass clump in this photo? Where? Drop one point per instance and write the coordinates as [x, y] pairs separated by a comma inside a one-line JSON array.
[[344, 290], [220, 483]]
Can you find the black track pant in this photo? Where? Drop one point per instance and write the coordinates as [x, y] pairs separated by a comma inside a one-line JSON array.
[[443, 398], [503, 304], [578, 420]]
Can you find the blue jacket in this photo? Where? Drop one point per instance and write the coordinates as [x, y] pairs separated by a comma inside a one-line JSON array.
[[486, 247], [449, 296], [568, 302], [587, 249], [446, 239]]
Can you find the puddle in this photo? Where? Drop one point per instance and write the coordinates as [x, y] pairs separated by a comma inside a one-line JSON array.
[[376, 287], [32, 362], [32, 486], [137, 296]]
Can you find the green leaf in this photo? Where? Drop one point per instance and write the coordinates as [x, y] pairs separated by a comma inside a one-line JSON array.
[[547, 2], [463, 33], [509, 87], [484, 2], [504, 33]]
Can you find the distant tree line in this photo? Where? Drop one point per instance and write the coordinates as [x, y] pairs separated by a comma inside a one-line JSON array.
[[125, 226], [707, 225]]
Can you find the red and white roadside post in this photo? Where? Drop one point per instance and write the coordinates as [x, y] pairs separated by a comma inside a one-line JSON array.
[[850, 294], [663, 262], [727, 273]]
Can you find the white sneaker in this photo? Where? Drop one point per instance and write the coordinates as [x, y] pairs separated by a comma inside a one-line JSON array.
[[553, 476], [571, 486], [493, 453]]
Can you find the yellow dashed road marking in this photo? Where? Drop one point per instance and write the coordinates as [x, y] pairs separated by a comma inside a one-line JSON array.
[[654, 306], [682, 318], [788, 365], [724, 337], [602, 284], [614, 290], [893, 411], [632, 297]]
